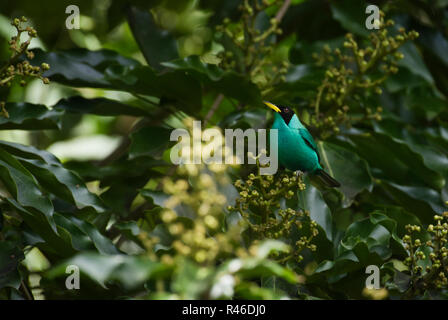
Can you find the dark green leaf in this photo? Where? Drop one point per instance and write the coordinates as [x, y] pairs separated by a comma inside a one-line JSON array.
[[81, 67], [396, 160], [346, 167], [107, 69], [10, 256], [413, 61], [312, 200], [351, 15], [157, 45], [23, 186], [228, 83], [149, 141], [29, 152], [99, 106], [421, 201], [63, 183], [26, 116], [130, 271], [103, 244]]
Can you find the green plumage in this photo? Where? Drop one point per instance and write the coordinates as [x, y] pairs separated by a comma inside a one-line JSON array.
[[296, 147]]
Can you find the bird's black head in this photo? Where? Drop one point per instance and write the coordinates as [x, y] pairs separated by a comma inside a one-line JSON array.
[[286, 112]]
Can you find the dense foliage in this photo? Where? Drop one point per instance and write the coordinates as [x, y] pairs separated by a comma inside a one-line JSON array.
[[85, 170]]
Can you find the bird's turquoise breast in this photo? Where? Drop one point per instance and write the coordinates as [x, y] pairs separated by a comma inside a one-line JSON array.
[[293, 152]]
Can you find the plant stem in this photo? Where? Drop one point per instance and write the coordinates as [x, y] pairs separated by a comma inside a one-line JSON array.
[[282, 11], [213, 108], [26, 291]]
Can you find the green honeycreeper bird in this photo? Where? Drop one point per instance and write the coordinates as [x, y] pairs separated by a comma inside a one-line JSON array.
[[297, 149]]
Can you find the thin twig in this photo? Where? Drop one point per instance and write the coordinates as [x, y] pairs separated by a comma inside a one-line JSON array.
[[319, 97], [214, 107], [27, 292], [282, 11], [117, 153]]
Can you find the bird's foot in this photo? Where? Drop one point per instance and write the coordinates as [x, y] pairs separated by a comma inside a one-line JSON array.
[[299, 173]]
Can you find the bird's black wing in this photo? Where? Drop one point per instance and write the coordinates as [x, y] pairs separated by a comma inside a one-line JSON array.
[[308, 138]]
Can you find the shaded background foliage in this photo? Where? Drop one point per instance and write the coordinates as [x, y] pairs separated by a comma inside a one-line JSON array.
[[137, 69]]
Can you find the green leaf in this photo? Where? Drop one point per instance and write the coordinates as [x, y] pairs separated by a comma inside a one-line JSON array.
[[413, 62], [372, 234], [250, 268], [220, 9], [365, 242], [177, 86], [71, 235], [109, 70], [149, 141], [301, 82], [30, 152], [27, 116], [157, 45], [23, 186], [229, 83], [351, 15], [415, 139], [396, 244], [118, 169], [84, 229], [401, 216], [251, 291], [402, 80], [311, 199], [396, 160], [158, 198], [435, 42], [421, 201], [130, 271], [346, 167], [51, 174], [246, 119], [64, 183], [10, 256], [99, 106], [268, 246], [117, 9], [191, 280], [59, 234], [48, 237], [130, 230], [402, 281], [303, 20], [81, 67]]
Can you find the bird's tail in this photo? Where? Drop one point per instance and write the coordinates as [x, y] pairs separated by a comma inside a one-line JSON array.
[[327, 179]]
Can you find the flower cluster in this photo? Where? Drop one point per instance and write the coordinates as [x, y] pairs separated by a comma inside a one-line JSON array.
[[259, 203], [17, 66], [355, 71], [435, 274], [194, 215], [253, 47]]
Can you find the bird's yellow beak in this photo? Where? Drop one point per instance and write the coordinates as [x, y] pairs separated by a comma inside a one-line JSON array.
[[272, 106]]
